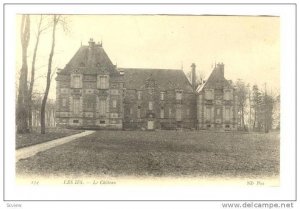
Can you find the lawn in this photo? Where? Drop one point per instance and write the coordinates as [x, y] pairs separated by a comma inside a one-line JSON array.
[[160, 153], [35, 137]]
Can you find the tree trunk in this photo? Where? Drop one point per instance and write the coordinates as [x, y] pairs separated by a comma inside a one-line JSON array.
[[22, 102], [44, 102], [33, 73]]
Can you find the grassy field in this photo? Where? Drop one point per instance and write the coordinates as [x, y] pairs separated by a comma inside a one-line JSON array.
[[160, 153], [35, 137]]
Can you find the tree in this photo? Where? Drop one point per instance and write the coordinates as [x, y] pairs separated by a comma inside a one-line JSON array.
[[257, 108], [22, 102], [241, 92], [40, 30], [56, 19]]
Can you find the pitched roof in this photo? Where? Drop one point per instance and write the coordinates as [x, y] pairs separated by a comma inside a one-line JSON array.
[[216, 79], [89, 59], [165, 79]]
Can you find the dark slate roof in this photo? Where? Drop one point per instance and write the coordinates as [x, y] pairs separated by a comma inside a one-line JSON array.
[[89, 60], [216, 80], [165, 79]]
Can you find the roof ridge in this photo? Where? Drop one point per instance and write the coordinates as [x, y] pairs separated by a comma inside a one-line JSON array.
[[131, 68]]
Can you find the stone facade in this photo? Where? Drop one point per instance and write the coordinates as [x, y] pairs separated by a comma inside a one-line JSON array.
[[93, 93], [162, 99], [89, 91], [217, 102]]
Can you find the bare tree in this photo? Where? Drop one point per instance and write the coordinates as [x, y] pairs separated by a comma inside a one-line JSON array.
[[55, 21], [40, 30], [22, 105], [242, 92]]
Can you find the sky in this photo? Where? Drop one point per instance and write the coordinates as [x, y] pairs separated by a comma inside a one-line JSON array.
[[248, 46]]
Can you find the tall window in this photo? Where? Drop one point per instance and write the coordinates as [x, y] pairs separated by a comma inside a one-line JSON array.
[[227, 114], [150, 105], [162, 95], [130, 111], [76, 81], [114, 103], [139, 95], [102, 82], [102, 107], [76, 106], [170, 112], [178, 95], [162, 112], [188, 112], [208, 114], [139, 112], [64, 102], [178, 114]]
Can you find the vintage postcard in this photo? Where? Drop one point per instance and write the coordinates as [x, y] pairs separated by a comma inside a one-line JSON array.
[[159, 99]]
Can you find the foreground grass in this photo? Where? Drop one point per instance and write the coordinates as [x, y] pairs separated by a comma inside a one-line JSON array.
[[35, 137], [160, 153]]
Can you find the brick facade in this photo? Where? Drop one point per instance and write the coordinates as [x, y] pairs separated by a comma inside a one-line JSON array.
[[217, 102], [93, 93]]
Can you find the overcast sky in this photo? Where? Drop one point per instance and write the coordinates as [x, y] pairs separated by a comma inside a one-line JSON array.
[[248, 46]]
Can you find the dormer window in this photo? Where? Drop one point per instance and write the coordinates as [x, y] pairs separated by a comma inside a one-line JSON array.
[[102, 82], [209, 94], [76, 81], [179, 95], [228, 94]]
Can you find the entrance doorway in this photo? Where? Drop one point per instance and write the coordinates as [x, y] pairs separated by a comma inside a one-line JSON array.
[[150, 125]]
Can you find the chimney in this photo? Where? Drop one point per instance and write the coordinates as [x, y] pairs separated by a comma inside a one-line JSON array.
[[193, 66], [91, 43]]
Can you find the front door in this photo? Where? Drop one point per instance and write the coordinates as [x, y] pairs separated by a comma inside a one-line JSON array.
[[150, 125]]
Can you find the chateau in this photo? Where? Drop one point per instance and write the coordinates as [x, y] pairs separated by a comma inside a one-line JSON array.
[[93, 93]]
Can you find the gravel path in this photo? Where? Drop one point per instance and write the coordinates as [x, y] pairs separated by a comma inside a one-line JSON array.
[[32, 150]]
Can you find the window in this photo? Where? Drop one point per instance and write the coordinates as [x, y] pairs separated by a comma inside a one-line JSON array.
[[89, 103], [102, 107], [139, 112], [208, 113], [228, 94], [76, 81], [162, 95], [178, 114], [227, 114], [178, 95], [114, 92], [64, 102], [150, 105], [170, 112], [102, 121], [139, 95], [76, 106], [114, 115], [162, 112], [64, 90], [75, 121], [114, 103], [102, 82], [130, 111], [209, 94], [188, 112]]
